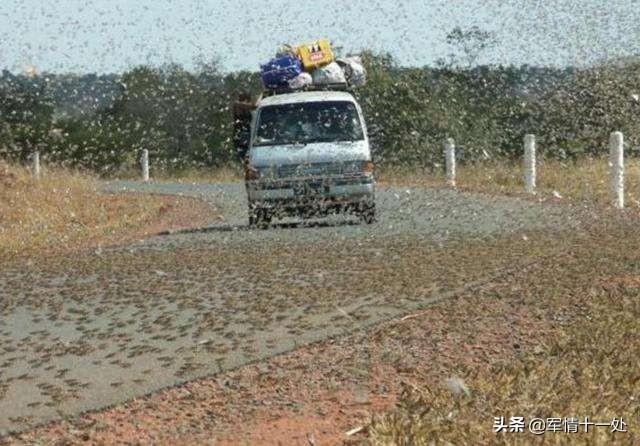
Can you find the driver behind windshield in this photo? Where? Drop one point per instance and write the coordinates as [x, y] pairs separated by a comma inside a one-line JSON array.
[[308, 123]]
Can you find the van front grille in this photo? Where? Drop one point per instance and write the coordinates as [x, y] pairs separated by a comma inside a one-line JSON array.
[[318, 169]]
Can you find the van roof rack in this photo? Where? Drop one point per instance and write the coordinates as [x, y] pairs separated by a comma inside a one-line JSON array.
[[340, 86]]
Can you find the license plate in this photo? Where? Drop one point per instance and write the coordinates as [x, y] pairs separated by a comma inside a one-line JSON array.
[[307, 188]]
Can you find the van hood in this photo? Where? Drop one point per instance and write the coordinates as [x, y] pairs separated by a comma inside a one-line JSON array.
[[323, 152]]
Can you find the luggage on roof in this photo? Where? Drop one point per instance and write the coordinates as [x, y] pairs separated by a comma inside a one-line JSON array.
[[354, 71], [287, 50], [309, 67], [328, 74], [315, 54], [279, 71], [300, 81]]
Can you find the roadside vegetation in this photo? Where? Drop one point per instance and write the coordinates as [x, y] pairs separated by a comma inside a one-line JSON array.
[[224, 174], [587, 369], [102, 122], [64, 210], [586, 179]]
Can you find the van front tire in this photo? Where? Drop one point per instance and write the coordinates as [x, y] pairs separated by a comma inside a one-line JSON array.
[[367, 213], [259, 218]]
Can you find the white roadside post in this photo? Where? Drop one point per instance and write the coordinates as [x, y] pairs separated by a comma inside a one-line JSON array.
[[530, 163], [35, 165], [450, 161], [145, 165], [616, 161]]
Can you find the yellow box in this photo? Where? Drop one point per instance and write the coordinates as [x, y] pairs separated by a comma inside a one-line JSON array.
[[315, 54]]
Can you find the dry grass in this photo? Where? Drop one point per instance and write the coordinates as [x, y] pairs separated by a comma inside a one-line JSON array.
[[587, 369], [583, 180], [590, 371], [64, 210], [225, 174]]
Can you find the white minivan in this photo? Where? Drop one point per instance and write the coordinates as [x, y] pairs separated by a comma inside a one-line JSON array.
[[309, 156]]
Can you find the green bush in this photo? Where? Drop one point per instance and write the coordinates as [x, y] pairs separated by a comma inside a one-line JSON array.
[[183, 118]]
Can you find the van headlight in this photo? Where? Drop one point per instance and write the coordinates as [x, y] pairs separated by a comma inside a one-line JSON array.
[[367, 167]]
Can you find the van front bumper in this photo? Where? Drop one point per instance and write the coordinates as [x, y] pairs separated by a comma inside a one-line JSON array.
[[310, 192]]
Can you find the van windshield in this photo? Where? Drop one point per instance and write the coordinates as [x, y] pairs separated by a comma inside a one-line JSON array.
[[308, 122]]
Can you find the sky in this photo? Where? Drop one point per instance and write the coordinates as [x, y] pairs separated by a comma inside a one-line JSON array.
[[102, 36]]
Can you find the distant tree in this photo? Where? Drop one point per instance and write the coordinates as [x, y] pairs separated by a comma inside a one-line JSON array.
[[183, 117], [469, 44], [579, 115], [26, 115]]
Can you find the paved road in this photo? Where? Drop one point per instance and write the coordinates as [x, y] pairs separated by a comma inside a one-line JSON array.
[[438, 212], [85, 331]]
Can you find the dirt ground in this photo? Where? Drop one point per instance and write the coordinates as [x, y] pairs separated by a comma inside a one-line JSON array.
[[65, 211], [171, 213]]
